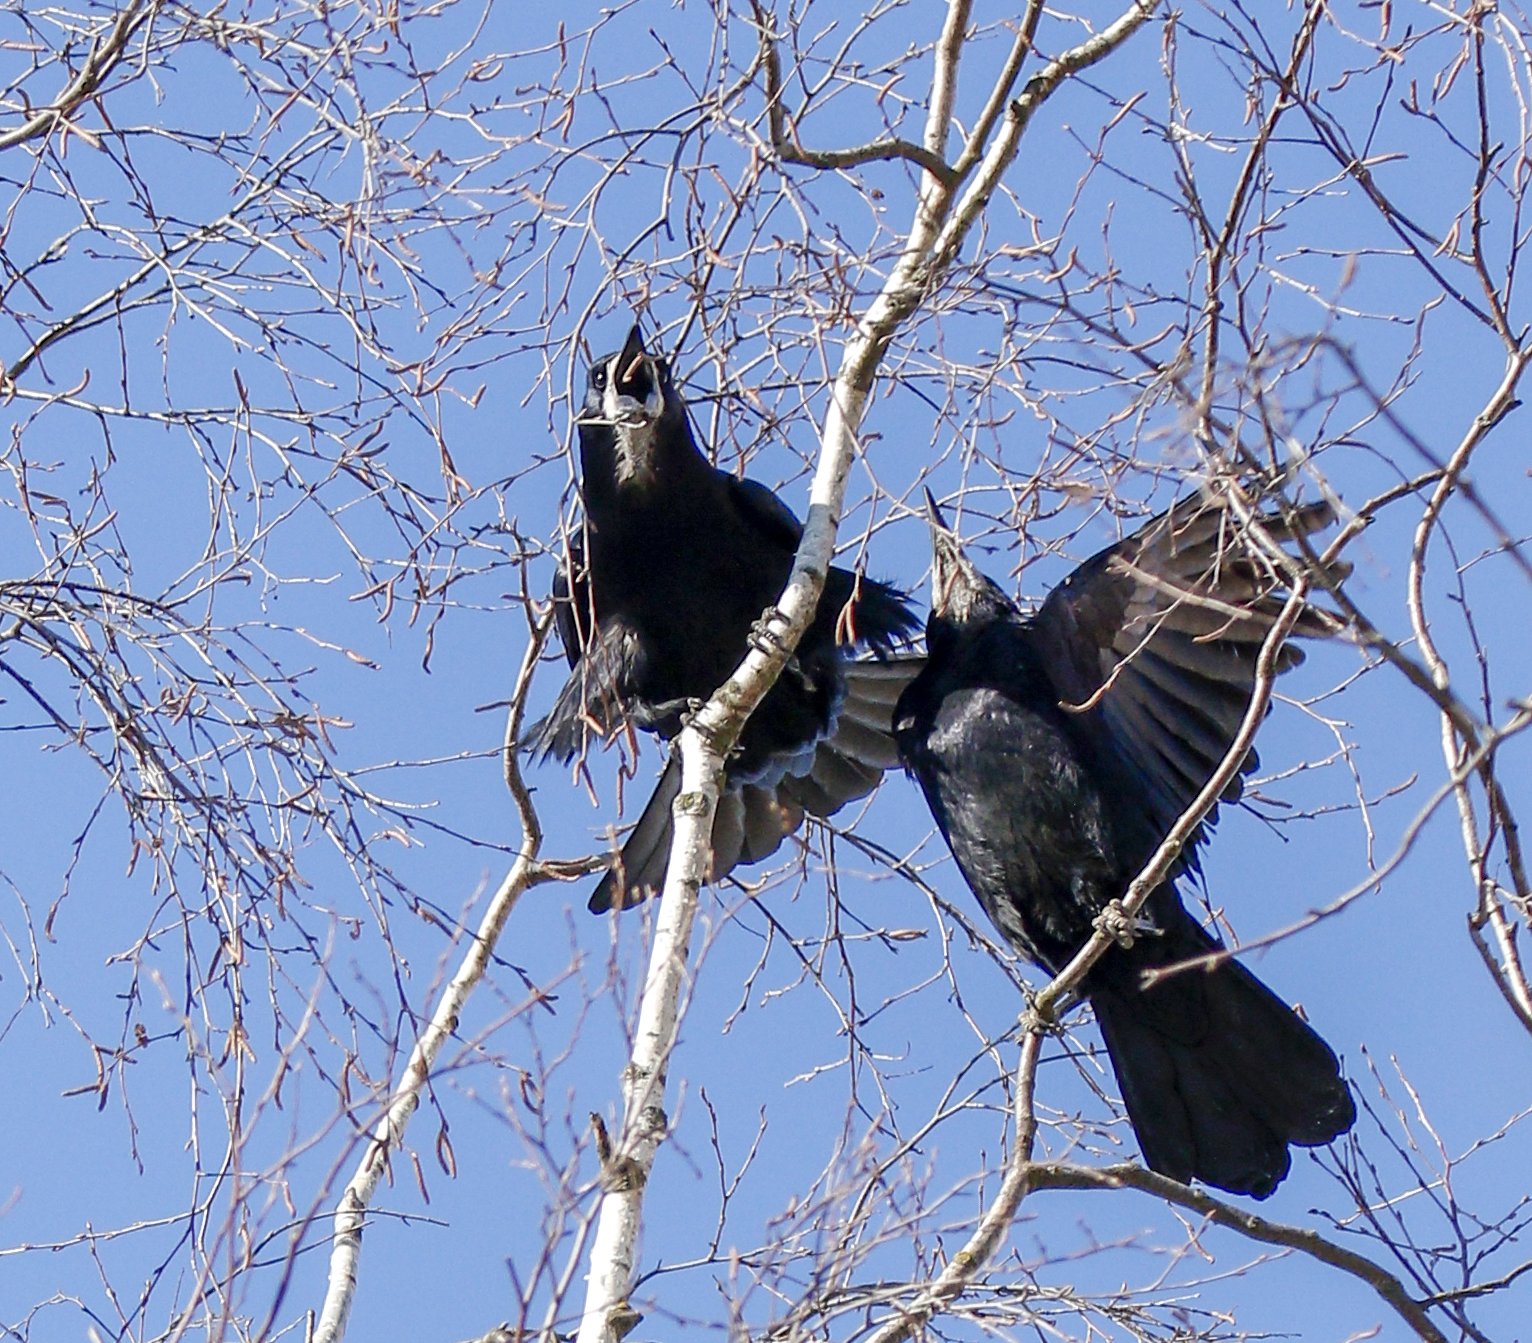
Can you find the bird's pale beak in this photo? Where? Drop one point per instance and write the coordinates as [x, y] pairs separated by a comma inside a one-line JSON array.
[[630, 358], [934, 513], [948, 566]]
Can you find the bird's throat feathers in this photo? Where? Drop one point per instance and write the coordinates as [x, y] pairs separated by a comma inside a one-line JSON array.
[[964, 597], [634, 453], [632, 418], [641, 461]]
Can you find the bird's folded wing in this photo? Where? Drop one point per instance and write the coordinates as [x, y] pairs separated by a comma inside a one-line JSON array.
[[849, 762], [867, 613], [572, 612], [1153, 643], [769, 515], [590, 706]]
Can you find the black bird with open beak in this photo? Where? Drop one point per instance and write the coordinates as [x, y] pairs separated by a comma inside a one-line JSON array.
[[1056, 751], [658, 607]]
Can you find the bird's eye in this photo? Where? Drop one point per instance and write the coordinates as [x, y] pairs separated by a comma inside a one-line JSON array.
[[598, 377], [662, 369]]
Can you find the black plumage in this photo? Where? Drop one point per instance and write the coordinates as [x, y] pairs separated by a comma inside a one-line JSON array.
[[1057, 750], [656, 610]]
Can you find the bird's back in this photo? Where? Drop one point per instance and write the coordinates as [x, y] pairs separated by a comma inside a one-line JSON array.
[[1009, 786]]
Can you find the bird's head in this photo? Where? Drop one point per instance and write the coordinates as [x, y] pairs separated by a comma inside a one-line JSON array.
[[630, 391], [960, 594]]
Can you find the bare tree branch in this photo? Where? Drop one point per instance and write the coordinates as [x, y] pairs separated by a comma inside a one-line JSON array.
[[1063, 1175], [388, 1136], [784, 134], [99, 63]]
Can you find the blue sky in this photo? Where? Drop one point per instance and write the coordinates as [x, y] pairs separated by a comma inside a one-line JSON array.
[[492, 262]]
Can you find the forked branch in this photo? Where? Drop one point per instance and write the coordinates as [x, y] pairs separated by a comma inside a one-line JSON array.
[[784, 132]]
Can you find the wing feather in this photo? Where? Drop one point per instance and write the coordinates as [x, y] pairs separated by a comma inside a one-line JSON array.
[[590, 705], [1152, 645]]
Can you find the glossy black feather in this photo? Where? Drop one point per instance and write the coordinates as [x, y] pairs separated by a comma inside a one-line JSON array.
[[680, 560], [1055, 752]]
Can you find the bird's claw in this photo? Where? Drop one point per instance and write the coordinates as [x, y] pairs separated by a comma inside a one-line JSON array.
[[1033, 1022], [1041, 1017], [1123, 928], [763, 638], [693, 707], [655, 716]]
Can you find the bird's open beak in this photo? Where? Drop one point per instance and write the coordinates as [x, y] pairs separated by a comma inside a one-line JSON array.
[[633, 384]]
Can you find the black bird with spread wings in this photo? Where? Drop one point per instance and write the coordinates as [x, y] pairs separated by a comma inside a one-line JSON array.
[[682, 561], [1056, 751]]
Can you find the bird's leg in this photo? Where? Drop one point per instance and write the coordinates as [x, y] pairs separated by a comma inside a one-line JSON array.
[[692, 707], [654, 716], [763, 638], [1123, 928], [1043, 1019]]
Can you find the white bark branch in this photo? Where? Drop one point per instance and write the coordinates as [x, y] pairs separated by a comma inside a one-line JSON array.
[[1460, 744], [949, 53], [643, 1082], [388, 1135], [998, 157]]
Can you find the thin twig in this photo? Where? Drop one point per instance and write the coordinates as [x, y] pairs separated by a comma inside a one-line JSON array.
[[98, 65]]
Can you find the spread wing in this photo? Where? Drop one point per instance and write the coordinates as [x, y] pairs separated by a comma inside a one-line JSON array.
[[752, 821], [1153, 642]]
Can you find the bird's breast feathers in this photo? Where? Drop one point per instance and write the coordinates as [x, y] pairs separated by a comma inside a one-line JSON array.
[[976, 716]]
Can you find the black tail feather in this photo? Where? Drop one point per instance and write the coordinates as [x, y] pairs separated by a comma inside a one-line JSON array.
[[1218, 1074], [640, 868], [748, 826]]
